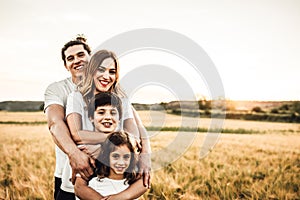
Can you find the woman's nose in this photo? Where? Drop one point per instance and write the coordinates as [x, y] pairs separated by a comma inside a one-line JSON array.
[[106, 75]]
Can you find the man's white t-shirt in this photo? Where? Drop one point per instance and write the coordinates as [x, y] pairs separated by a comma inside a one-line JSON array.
[[76, 104], [57, 93]]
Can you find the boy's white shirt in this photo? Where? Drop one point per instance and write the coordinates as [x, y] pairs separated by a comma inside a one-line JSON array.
[[75, 103]]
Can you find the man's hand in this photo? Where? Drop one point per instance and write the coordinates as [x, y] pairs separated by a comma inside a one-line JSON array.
[[93, 150], [80, 163], [145, 168]]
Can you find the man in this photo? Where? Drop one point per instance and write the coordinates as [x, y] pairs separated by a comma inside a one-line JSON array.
[[75, 55]]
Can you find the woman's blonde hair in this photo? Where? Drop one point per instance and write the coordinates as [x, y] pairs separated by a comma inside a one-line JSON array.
[[87, 85]]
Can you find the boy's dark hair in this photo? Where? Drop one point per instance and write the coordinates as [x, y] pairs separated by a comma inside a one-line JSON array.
[[103, 99], [114, 140], [80, 40]]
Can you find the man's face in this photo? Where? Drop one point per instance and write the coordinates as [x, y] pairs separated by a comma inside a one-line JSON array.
[[106, 119], [76, 59]]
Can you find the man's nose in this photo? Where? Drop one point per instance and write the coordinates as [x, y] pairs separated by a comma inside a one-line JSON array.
[[76, 59]]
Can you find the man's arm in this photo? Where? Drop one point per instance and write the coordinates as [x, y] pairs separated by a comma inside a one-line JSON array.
[[79, 161]]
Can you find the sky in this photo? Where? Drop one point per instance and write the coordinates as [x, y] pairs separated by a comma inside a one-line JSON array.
[[254, 44]]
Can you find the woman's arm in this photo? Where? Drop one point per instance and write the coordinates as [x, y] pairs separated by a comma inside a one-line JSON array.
[[83, 136], [145, 154]]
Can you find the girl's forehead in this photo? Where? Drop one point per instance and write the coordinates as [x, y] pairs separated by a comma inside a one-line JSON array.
[[121, 149]]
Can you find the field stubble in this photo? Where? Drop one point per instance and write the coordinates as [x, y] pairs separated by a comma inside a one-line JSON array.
[[241, 166]]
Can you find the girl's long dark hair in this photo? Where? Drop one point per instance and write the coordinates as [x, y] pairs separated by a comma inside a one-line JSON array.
[[102, 163]]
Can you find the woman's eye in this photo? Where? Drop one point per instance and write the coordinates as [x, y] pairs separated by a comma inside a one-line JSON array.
[[112, 72], [101, 69]]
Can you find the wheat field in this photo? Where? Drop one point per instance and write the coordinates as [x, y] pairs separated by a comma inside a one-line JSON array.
[[240, 166]]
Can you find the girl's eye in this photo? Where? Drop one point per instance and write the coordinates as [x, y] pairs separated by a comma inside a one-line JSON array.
[[126, 157], [114, 112], [115, 156]]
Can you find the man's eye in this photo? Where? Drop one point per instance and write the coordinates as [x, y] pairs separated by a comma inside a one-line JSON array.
[[70, 58], [81, 54]]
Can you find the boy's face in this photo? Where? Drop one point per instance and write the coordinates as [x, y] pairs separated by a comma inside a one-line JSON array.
[[106, 119]]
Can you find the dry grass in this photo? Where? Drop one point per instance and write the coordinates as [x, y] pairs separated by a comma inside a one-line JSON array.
[[256, 166]]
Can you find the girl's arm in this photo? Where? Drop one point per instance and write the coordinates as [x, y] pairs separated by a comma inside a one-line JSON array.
[[84, 192]]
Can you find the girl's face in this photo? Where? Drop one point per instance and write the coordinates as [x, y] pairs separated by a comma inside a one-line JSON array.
[[105, 75], [106, 118], [119, 162]]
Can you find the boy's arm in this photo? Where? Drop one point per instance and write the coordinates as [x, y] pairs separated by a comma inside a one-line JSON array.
[[83, 191], [79, 161], [134, 191]]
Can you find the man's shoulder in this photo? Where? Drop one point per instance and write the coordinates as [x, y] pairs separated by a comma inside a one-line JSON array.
[[61, 84]]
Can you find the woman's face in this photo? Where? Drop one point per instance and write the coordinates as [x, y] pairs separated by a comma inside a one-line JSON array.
[[105, 75]]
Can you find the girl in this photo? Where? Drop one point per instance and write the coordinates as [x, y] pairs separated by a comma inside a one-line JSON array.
[[115, 169]]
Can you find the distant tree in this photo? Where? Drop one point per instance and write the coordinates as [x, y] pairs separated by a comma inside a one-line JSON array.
[[284, 107], [257, 109], [296, 107], [274, 111]]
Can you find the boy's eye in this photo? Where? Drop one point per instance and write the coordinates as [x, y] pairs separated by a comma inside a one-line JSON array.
[[100, 112], [114, 112]]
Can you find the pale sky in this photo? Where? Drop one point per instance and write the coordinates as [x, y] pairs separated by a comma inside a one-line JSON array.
[[254, 44]]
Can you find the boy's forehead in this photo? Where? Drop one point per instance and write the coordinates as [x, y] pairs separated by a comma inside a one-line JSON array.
[[105, 107]]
